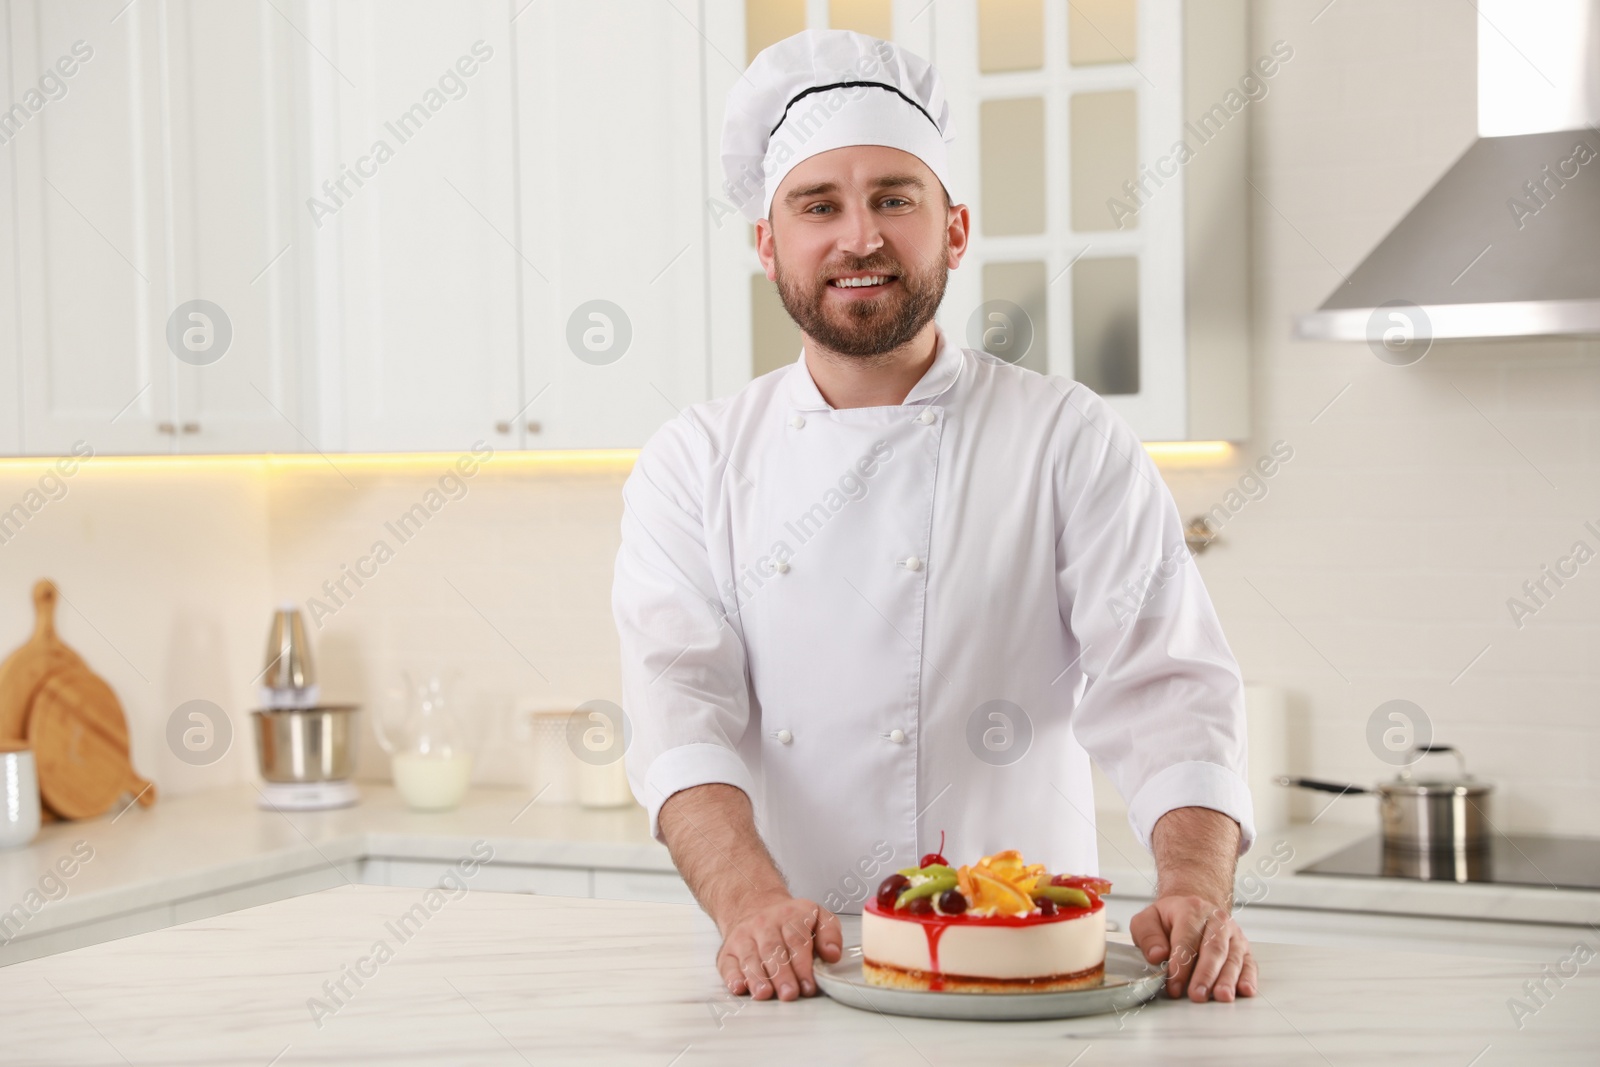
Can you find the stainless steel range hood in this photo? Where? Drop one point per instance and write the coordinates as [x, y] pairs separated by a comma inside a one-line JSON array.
[[1507, 243]]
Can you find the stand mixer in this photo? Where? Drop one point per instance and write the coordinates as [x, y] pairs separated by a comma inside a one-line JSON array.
[[305, 749]]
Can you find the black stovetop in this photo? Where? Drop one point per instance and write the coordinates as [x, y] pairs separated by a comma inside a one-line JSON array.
[[1510, 859]]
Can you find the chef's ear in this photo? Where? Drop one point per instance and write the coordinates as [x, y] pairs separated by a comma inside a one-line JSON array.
[[767, 248], [959, 232]]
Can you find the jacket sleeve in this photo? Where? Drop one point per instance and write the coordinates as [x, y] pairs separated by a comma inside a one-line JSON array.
[[686, 697], [1162, 711]]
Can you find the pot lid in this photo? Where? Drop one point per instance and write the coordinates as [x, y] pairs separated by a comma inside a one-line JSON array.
[[1462, 783], [1407, 787]]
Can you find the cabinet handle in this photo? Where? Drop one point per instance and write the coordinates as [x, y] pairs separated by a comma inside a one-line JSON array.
[[166, 427], [535, 427], [502, 427], [191, 427]]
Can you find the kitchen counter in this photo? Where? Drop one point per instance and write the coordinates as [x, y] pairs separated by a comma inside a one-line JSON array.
[[199, 846], [198, 855], [495, 978]]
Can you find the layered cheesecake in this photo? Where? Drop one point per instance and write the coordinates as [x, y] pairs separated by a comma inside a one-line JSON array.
[[998, 926]]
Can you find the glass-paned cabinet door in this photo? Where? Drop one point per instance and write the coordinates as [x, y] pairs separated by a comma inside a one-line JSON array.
[[1077, 244], [1058, 109]]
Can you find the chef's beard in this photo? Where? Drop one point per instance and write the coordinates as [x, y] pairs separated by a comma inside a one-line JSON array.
[[866, 328]]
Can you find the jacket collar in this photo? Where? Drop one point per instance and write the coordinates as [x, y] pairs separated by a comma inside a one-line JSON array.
[[935, 382]]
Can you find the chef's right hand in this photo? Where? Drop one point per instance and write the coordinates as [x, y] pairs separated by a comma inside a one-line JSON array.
[[767, 949]]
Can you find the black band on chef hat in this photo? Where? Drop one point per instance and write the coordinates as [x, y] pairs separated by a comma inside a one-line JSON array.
[[849, 85]]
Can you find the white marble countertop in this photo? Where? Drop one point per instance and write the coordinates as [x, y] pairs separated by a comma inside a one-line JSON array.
[[494, 978], [205, 843]]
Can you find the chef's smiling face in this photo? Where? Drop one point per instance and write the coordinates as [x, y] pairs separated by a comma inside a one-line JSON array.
[[860, 242]]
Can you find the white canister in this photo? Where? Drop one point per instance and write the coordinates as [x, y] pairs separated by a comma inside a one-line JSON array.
[[19, 795], [550, 769]]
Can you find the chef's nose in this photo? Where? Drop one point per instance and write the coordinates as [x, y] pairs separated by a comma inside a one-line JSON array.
[[862, 234]]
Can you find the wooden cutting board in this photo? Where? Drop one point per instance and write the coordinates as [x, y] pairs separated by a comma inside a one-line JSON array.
[[26, 669], [79, 737]]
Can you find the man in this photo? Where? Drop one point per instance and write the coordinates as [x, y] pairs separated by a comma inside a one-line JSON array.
[[900, 588]]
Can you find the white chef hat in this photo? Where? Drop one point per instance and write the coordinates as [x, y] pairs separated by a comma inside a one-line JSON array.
[[826, 89]]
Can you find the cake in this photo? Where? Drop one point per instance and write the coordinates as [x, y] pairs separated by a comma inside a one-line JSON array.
[[997, 926]]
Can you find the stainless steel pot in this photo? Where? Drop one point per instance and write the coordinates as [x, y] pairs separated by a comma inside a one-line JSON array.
[[306, 744], [1425, 814]]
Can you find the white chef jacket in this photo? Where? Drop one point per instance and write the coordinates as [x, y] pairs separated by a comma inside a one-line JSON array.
[[882, 623]]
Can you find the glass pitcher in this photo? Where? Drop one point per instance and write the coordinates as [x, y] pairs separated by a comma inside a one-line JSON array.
[[430, 754]]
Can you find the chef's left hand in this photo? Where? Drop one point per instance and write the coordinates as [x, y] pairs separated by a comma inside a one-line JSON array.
[[1206, 952]]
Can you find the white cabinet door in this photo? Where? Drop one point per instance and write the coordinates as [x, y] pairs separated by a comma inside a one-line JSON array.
[[85, 140], [237, 225], [613, 219], [657, 886], [415, 218]]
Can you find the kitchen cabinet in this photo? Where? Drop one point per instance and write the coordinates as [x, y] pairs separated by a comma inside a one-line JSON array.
[[1096, 254], [377, 870], [264, 891], [510, 248], [1382, 932], [656, 886], [1409, 933], [612, 219], [154, 172], [88, 248], [427, 225], [492, 877], [410, 200], [501, 877]]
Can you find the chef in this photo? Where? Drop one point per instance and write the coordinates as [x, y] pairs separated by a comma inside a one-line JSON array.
[[899, 592]]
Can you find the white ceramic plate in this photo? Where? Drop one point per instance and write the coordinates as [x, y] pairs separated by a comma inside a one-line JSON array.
[[1130, 981]]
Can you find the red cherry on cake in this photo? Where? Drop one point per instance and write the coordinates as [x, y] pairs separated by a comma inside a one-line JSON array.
[[951, 902], [891, 889], [935, 857], [920, 906]]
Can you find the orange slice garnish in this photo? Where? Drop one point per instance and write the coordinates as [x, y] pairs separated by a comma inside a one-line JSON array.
[[992, 892]]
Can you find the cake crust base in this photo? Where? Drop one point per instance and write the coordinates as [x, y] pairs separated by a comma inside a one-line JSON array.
[[879, 974]]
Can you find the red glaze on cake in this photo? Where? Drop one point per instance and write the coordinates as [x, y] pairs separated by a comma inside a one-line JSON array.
[[1000, 925]]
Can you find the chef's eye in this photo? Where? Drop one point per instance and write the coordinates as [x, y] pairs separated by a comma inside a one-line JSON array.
[[890, 202], [813, 208]]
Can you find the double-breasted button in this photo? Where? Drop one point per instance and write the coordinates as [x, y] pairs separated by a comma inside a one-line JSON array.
[[927, 416], [781, 567], [784, 737], [797, 421], [897, 736], [913, 563]]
